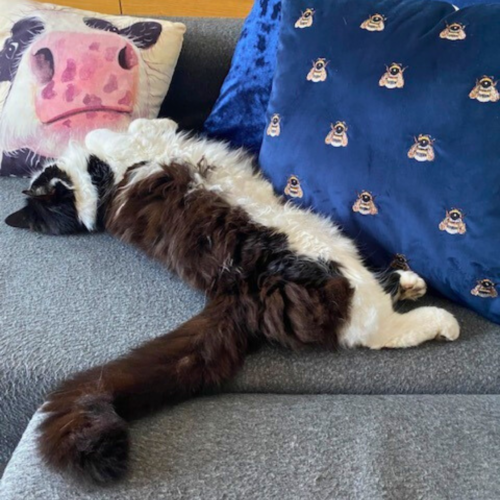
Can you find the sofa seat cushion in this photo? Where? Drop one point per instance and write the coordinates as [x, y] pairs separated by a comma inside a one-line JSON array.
[[289, 447], [69, 303]]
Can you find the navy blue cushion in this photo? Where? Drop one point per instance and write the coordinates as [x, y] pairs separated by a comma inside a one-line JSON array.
[[391, 125], [239, 114]]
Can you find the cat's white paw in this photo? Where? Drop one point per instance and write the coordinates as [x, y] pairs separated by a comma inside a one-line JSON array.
[[411, 285], [415, 328], [147, 127], [449, 329]]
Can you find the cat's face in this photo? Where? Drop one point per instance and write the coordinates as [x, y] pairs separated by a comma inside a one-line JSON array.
[[51, 206]]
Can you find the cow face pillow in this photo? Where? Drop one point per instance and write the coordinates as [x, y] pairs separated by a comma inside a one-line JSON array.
[[64, 72]]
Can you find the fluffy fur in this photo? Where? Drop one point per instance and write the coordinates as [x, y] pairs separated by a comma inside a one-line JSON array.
[[272, 273]]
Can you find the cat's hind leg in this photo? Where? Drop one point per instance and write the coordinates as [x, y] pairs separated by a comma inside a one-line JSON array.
[[404, 285], [414, 328]]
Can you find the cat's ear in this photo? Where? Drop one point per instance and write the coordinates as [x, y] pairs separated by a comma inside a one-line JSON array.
[[43, 194], [50, 190], [19, 219]]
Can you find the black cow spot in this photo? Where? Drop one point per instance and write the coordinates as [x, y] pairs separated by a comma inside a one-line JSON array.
[[142, 34], [23, 33]]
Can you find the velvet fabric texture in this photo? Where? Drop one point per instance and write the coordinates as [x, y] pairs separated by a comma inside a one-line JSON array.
[[239, 114], [397, 138]]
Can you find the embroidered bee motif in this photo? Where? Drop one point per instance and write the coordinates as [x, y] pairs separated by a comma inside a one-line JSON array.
[[365, 204], [423, 149], [318, 71], [274, 128], [293, 188], [306, 19], [453, 223], [485, 90], [338, 135], [485, 289], [376, 22], [400, 262], [453, 32], [393, 77]]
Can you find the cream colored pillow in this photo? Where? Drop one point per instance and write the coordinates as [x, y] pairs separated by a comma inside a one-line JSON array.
[[64, 72]]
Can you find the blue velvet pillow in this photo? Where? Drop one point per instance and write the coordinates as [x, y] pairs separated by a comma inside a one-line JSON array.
[[386, 115], [239, 114]]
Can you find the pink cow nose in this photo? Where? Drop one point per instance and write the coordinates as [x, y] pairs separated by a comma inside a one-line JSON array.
[[83, 81], [83, 73], [43, 64]]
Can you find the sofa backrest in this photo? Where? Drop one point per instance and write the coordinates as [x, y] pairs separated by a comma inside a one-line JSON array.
[[204, 63]]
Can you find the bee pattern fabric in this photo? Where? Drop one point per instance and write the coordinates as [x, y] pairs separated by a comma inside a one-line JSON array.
[[413, 114], [64, 72], [239, 115]]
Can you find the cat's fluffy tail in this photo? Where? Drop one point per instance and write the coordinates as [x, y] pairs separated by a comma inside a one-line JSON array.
[[85, 430]]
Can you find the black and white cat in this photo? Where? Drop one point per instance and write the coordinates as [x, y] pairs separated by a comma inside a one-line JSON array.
[[272, 272]]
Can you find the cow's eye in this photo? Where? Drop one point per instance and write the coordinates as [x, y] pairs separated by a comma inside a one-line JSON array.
[[12, 49]]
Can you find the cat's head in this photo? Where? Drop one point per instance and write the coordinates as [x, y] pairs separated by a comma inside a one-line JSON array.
[[65, 197]]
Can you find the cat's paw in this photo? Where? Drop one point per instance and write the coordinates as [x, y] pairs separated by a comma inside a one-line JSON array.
[[449, 329], [84, 437], [145, 127], [411, 285]]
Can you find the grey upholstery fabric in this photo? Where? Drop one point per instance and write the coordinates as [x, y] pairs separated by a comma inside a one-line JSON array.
[[203, 64], [295, 447], [69, 303]]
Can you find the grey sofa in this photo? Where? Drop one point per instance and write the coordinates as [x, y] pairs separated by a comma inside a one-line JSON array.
[[415, 424]]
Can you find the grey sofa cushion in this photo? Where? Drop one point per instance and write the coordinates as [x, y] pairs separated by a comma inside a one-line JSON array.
[[295, 447], [69, 303], [204, 63]]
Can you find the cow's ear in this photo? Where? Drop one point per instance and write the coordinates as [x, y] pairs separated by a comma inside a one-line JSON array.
[[19, 219], [143, 35]]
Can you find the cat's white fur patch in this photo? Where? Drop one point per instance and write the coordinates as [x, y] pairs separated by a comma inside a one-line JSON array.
[[74, 163]]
